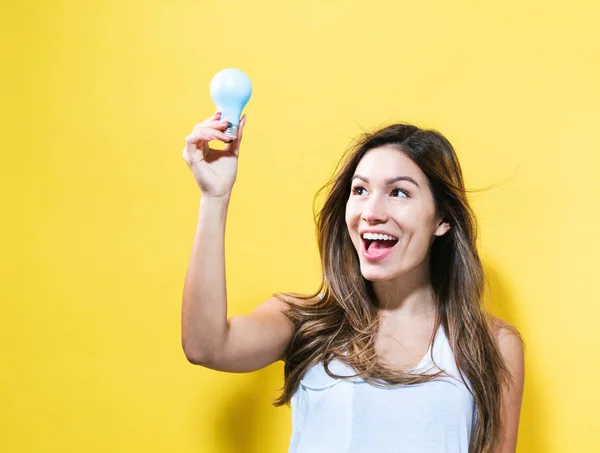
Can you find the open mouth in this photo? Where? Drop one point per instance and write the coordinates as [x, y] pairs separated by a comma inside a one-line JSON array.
[[378, 246]]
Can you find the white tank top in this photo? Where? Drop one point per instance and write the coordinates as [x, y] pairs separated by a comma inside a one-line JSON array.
[[352, 416]]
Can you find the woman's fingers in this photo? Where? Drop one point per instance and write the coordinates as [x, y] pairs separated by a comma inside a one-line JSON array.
[[212, 129], [205, 134], [198, 141], [209, 129], [234, 146], [211, 124], [241, 128]]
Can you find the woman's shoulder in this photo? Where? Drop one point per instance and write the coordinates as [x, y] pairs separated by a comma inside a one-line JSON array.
[[510, 343], [503, 329]]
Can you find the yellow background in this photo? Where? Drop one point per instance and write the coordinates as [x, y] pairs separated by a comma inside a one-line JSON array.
[[99, 209]]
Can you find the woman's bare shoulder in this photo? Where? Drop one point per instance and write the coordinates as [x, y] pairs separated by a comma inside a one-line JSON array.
[[507, 335], [502, 328]]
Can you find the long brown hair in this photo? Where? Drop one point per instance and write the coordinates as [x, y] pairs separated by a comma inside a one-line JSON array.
[[340, 320]]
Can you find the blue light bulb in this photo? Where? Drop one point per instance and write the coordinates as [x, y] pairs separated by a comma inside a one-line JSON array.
[[230, 89]]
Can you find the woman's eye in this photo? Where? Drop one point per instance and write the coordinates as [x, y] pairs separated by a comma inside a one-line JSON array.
[[398, 191], [358, 190]]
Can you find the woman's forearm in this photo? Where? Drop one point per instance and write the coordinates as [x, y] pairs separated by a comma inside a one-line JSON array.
[[204, 305]]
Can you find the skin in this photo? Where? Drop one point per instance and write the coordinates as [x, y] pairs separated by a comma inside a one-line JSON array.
[[401, 280]]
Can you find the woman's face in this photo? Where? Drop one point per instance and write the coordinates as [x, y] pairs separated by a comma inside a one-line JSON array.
[[390, 195]]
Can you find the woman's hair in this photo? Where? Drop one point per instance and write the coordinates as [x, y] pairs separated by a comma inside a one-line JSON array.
[[340, 320]]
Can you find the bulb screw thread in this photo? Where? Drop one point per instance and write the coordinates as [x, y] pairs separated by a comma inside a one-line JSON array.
[[231, 131]]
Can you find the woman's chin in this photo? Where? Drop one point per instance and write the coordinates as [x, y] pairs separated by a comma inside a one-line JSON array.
[[375, 274]]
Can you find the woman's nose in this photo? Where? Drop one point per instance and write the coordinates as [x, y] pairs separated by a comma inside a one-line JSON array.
[[374, 211]]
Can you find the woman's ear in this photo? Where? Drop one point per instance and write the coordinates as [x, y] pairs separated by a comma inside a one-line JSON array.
[[442, 228]]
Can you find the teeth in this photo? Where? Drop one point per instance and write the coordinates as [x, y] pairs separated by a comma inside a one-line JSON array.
[[380, 237]]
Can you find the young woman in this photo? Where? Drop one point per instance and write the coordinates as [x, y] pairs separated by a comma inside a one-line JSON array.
[[395, 351]]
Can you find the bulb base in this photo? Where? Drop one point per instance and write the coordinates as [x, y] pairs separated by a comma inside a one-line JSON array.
[[232, 131]]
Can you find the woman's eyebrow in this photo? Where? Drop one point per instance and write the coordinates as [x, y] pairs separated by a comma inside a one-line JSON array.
[[390, 180]]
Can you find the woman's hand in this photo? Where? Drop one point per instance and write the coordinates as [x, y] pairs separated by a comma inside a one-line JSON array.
[[214, 170]]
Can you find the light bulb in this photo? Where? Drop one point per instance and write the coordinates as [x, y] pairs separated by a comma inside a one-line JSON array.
[[230, 89]]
